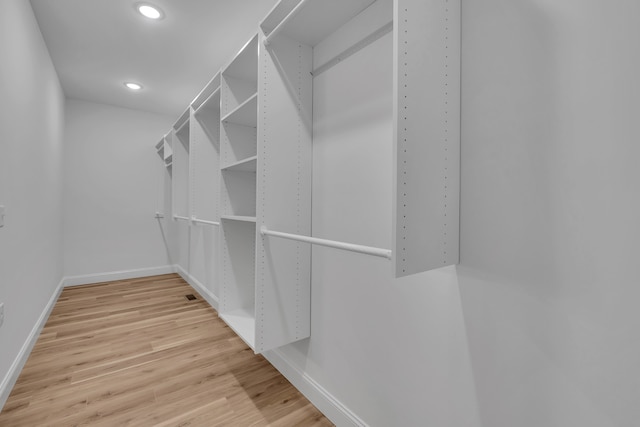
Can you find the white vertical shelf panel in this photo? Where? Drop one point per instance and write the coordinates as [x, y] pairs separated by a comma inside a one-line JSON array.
[[205, 155], [180, 171], [427, 134], [284, 193]]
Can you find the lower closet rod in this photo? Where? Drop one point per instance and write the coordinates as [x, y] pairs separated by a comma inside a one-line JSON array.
[[202, 221], [384, 253]]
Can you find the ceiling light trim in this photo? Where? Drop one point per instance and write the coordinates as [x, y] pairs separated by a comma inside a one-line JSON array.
[[133, 86], [149, 11]]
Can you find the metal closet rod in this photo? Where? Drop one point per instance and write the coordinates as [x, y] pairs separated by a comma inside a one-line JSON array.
[[202, 221], [383, 253], [182, 218], [284, 21]]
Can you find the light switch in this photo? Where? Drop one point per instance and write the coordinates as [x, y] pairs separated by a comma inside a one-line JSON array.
[[1, 216]]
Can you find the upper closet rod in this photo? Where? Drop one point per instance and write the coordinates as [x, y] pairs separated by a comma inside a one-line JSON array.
[[182, 218], [282, 23], [384, 253], [202, 221]]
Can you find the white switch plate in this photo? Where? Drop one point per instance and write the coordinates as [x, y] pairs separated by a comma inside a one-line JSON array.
[[1, 216], [1, 313]]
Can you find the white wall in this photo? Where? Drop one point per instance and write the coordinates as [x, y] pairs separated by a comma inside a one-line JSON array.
[[31, 127], [550, 207], [538, 324], [111, 190]]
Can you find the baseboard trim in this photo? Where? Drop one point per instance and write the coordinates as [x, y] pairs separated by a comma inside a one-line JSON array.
[[199, 287], [16, 367], [117, 275], [328, 404]]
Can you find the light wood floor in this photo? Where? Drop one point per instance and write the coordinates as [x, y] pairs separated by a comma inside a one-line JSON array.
[[138, 353]]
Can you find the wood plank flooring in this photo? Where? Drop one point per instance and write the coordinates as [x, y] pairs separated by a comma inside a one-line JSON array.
[[137, 352]]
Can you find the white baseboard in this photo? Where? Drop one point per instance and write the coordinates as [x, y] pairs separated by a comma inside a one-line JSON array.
[[331, 407], [16, 367], [199, 287], [117, 275]]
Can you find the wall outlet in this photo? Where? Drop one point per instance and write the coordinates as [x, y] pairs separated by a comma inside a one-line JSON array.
[[1, 313]]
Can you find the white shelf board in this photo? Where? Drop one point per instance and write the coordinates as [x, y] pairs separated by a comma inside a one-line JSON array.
[[243, 323], [244, 65], [211, 103], [238, 218], [245, 114], [207, 93], [182, 120], [245, 165], [316, 20]]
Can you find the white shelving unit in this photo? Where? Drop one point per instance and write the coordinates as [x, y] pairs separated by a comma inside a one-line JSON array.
[[180, 166], [241, 155], [262, 157], [205, 154], [238, 137], [426, 105], [164, 150], [160, 149]]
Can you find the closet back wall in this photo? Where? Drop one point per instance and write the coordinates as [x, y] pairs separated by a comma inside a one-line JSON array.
[[111, 190]]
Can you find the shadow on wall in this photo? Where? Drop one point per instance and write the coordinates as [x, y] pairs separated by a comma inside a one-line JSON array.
[[508, 242], [543, 311]]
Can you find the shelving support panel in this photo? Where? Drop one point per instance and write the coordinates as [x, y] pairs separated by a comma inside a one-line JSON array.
[[181, 171], [283, 279], [426, 134], [240, 156], [205, 154]]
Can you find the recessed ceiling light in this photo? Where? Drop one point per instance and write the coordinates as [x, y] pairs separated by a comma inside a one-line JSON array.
[[133, 86], [149, 11]]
